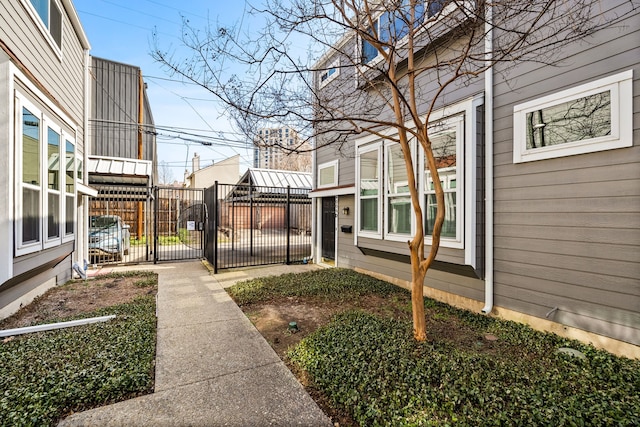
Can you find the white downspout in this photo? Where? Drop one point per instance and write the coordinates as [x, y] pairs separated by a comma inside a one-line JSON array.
[[488, 173]]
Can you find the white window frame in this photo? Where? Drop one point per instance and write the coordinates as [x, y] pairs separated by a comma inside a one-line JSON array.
[[365, 146], [388, 235], [42, 26], [456, 122], [620, 87], [333, 65], [48, 123], [58, 125], [446, 10], [328, 165], [67, 237]]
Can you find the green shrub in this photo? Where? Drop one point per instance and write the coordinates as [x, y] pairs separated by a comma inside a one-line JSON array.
[[329, 284], [375, 370], [48, 374]]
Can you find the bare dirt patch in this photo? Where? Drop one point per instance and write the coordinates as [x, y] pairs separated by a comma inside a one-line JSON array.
[[82, 296]]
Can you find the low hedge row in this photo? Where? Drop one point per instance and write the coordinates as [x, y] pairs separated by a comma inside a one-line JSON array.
[[374, 369]]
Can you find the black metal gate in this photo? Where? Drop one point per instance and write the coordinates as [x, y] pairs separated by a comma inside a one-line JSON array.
[[253, 225], [180, 223]]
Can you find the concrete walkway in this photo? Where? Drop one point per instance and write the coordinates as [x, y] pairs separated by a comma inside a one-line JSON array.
[[213, 368]]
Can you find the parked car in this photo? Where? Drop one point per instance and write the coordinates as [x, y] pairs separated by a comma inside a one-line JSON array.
[[109, 238]]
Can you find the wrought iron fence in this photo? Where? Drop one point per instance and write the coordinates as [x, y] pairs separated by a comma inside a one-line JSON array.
[[253, 225], [120, 225]]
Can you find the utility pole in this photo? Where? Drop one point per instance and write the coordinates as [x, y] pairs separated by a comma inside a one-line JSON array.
[[140, 145]]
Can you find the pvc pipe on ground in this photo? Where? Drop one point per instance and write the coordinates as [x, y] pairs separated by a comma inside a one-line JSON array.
[[51, 326]]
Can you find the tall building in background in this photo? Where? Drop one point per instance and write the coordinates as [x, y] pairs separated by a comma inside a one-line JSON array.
[[273, 150]]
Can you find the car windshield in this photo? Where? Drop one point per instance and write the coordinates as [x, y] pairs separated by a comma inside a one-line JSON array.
[[103, 222]]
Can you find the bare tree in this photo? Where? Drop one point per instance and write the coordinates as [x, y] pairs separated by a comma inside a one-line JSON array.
[[165, 174], [384, 50]]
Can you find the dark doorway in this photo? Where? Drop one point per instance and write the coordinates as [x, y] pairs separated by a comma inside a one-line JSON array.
[[329, 228]]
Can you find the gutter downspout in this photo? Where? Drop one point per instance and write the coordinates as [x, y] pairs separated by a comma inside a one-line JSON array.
[[488, 173]]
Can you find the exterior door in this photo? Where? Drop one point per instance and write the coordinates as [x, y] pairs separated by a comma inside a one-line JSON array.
[[329, 227]]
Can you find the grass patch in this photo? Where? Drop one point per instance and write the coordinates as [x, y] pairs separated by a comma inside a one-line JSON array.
[[366, 364], [47, 375], [334, 284]]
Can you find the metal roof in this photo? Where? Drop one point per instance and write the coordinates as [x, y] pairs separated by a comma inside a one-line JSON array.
[[277, 178], [119, 170]]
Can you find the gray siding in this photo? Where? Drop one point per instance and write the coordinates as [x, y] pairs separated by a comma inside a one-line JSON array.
[[567, 230], [60, 80]]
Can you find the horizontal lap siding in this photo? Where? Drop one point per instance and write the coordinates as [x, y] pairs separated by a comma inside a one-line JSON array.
[[567, 230]]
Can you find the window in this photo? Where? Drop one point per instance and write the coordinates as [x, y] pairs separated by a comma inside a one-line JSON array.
[[331, 72], [70, 188], [49, 14], [446, 142], [589, 118], [369, 183], [393, 25], [398, 201], [46, 190], [328, 174]]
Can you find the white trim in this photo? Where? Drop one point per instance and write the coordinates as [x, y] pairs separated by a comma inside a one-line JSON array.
[[85, 190], [332, 164], [46, 121], [333, 65], [361, 148], [458, 123], [388, 235], [337, 191], [620, 87], [46, 33]]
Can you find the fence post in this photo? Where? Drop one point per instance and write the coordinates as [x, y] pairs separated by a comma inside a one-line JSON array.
[[215, 227], [156, 202], [250, 219], [288, 220]]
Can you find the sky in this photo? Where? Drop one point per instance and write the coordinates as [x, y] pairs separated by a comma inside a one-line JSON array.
[[121, 31]]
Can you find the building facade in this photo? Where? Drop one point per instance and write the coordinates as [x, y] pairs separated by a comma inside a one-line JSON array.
[[542, 215], [281, 148], [43, 111]]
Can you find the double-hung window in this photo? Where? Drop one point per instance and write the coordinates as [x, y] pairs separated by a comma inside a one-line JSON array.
[[398, 201], [370, 190], [446, 143], [588, 118], [46, 174], [49, 15], [392, 25]]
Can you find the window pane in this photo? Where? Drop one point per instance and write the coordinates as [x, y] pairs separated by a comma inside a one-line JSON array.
[[449, 224], [69, 222], [55, 24], [53, 217], [399, 215], [30, 148], [397, 181], [79, 170], [30, 215], [42, 7], [369, 214], [327, 176], [53, 160], [435, 6], [369, 174], [584, 118], [70, 160]]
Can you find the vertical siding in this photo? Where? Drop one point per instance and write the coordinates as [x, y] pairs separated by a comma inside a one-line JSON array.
[[567, 230]]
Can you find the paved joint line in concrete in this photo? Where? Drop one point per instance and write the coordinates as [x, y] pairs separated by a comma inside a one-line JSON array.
[[217, 377], [209, 322]]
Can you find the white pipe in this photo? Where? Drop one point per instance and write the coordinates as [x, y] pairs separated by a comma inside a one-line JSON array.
[[488, 173], [51, 326]]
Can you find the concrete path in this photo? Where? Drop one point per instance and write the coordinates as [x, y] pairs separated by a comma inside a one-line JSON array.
[[213, 368]]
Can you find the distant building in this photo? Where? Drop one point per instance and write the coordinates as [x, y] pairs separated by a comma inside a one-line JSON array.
[[225, 171], [274, 149]]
